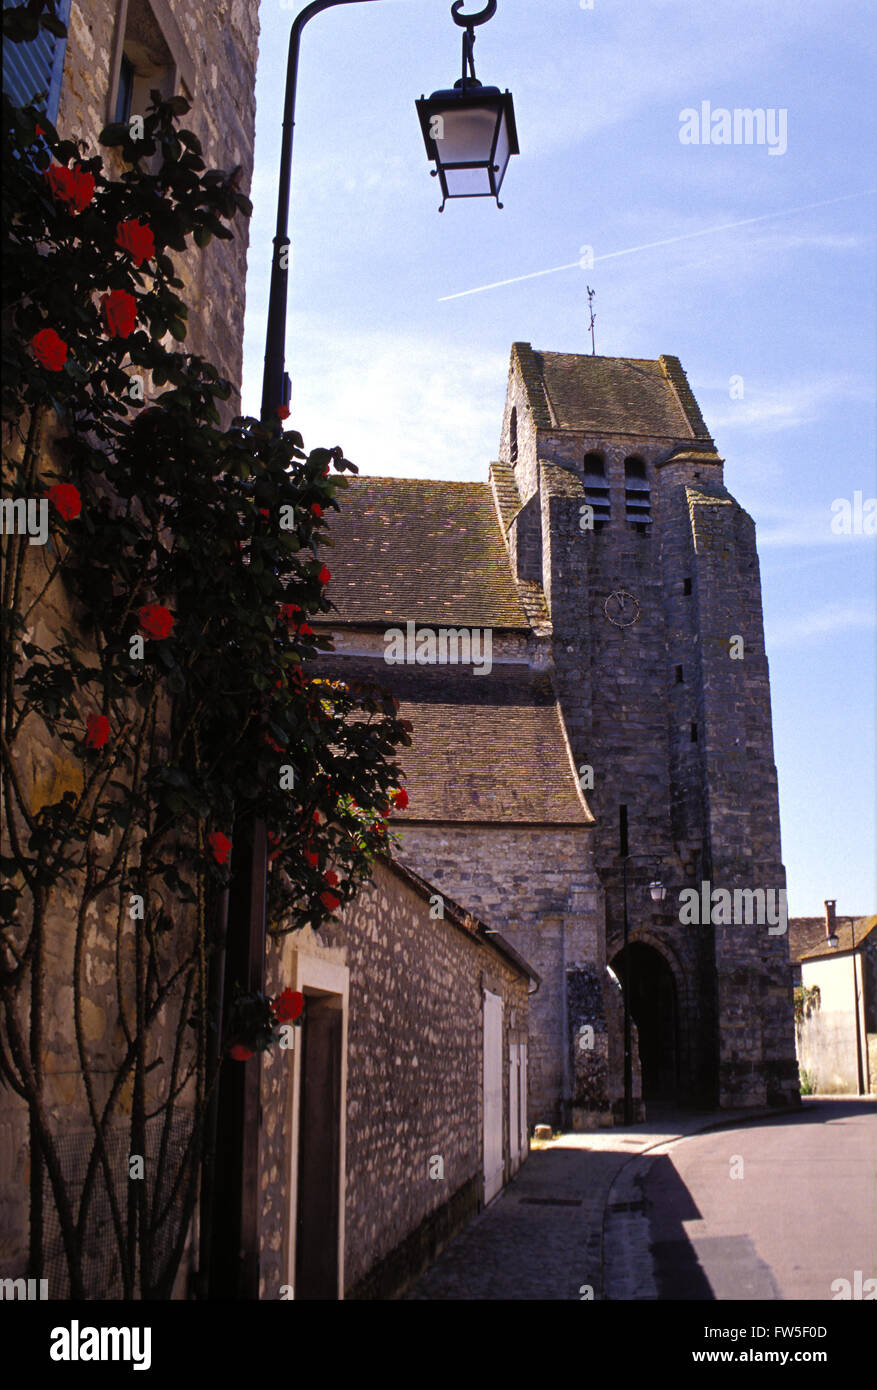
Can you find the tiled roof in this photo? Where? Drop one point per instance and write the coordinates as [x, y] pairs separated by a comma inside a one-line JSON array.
[[847, 933], [414, 548], [613, 395], [486, 748]]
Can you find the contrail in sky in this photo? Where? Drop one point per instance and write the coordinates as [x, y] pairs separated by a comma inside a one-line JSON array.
[[667, 241]]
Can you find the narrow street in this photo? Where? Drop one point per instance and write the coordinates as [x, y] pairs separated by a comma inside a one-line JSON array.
[[654, 1212]]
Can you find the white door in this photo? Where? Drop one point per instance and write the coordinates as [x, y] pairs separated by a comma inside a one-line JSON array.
[[523, 1137], [514, 1103], [492, 1100]]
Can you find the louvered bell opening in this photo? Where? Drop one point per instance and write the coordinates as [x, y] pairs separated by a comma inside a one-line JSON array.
[[597, 490]]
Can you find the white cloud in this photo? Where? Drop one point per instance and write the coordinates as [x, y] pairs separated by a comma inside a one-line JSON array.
[[401, 406], [827, 621]]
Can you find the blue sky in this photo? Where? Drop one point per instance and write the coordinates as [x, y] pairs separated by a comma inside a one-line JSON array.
[[412, 383]]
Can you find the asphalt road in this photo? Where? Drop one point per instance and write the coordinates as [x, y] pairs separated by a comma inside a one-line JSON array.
[[781, 1209]]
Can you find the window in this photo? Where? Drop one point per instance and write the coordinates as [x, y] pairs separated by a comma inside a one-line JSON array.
[[513, 435], [679, 675], [686, 587], [125, 94], [149, 53], [693, 732], [597, 489], [637, 495], [32, 71]]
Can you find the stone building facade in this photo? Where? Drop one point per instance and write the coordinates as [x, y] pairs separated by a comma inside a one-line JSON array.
[[402, 1106], [638, 607], [209, 55]]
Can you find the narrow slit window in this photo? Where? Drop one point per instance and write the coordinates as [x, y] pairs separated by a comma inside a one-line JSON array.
[[513, 435], [680, 677], [686, 587], [693, 732], [597, 489]]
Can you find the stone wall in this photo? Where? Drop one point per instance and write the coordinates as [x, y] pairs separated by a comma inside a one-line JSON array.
[[414, 1081], [537, 886], [218, 46]]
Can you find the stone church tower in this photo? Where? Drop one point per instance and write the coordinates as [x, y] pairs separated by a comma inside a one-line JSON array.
[[621, 728], [650, 574]]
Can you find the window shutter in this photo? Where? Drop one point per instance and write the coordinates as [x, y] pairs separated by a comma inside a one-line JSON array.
[[35, 68]]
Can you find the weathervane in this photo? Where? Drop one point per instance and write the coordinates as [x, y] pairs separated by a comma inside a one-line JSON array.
[[593, 319]]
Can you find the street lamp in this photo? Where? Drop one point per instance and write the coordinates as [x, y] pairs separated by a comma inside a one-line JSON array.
[[231, 1252], [469, 130], [833, 941]]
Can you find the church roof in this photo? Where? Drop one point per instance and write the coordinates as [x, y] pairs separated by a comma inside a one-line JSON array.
[[423, 550], [610, 395], [484, 749]]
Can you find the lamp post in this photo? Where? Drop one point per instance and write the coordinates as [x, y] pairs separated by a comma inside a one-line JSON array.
[[232, 1249], [657, 892], [833, 941]]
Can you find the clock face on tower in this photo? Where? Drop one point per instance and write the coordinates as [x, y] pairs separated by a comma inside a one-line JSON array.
[[621, 608]]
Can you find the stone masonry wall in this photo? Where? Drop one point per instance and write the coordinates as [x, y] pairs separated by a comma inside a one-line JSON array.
[[221, 44], [414, 1079], [221, 39], [536, 885]]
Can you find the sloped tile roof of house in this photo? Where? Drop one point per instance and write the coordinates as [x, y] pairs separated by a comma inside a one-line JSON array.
[[488, 748], [421, 550], [850, 936], [611, 395]]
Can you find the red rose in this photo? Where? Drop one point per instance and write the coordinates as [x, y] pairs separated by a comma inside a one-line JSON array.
[[316, 509], [312, 857], [399, 798], [155, 620], [136, 239], [325, 575], [331, 878], [49, 350], [240, 1053], [306, 630], [97, 730], [289, 612], [288, 1005], [220, 845], [263, 511], [66, 498], [282, 412], [329, 901], [119, 313], [38, 130], [74, 187]]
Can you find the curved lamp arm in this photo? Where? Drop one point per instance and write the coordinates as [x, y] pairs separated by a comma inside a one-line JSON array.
[[273, 383]]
